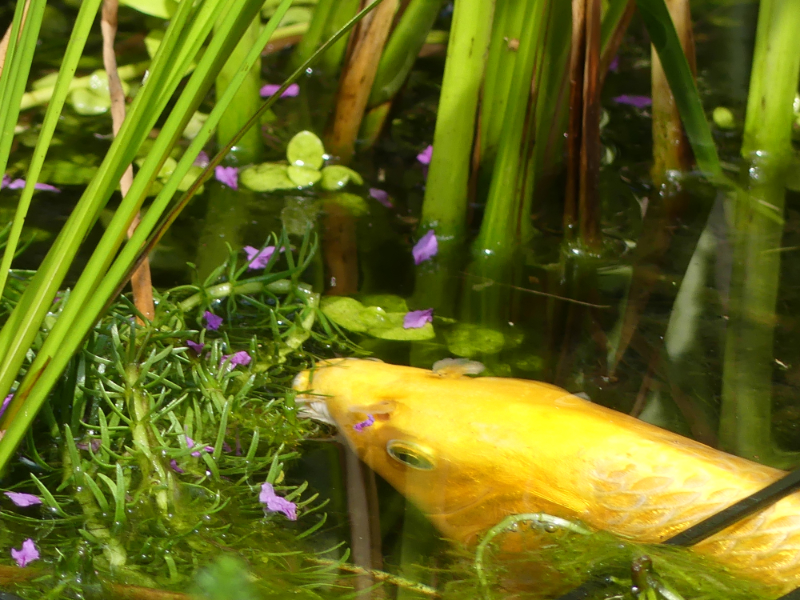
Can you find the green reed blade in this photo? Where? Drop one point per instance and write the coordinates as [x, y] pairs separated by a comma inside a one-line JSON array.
[[72, 55], [666, 42]]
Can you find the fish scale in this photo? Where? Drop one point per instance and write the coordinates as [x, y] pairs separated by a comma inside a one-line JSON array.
[[499, 447]]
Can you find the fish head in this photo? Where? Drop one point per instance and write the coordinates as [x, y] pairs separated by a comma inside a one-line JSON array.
[[418, 430]]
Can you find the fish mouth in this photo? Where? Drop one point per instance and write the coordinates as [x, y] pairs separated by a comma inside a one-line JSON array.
[[312, 406]]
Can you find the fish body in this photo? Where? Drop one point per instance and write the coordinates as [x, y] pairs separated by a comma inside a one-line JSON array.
[[471, 451]]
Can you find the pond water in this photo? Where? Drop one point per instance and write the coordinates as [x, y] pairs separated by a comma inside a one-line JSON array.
[[563, 321]]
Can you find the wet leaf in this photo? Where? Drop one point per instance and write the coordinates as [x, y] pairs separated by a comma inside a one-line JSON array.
[[266, 177], [303, 176], [471, 340], [374, 321], [306, 150], [388, 302], [335, 177], [88, 102]]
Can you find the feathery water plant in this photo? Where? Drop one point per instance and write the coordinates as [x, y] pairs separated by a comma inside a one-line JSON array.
[[94, 291], [165, 443]]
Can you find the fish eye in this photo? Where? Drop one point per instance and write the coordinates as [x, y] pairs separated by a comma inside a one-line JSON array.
[[410, 454]]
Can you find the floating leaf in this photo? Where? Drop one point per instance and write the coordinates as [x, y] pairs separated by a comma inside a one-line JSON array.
[[389, 302], [471, 340], [88, 102], [306, 150], [350, 314], [345, 312], [335, 177], [266, 177], [355, 205], [194, 125], [303, 176], [190, 177], [76, 172]]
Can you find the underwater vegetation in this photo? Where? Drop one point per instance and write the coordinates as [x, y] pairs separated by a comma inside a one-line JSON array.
[[597, 194]]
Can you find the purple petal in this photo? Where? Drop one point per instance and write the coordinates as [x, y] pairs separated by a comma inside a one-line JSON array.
[[4, 182], [93, 446], [27, 554], [226, 447], [425, 156], [190, 444], [202, 159], [271, 89], [174, 464], [17, 184], [227, 176], [238, 358], [426, 247], [368, 422], [417, 318], [614, 64], [196, 346], [46, 187], [381, 196], [5, 404], [212, 321], [637, 101], [258, 259], [275, 503], [22, 499]]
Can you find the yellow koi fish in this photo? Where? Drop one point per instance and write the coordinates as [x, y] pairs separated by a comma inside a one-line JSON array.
[[471, 451]]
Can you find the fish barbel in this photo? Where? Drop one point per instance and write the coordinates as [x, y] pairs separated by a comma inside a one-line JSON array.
[[471, 451]]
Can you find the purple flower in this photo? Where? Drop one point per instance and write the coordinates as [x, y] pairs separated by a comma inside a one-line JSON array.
[[238, 358], [94, 445], [212, 321], [272, 88], [22, 499], [226, 447], [18, 184], [174, 464], [637, 101], [190, 444], [258, 259], [28, 554], [417, 318], [202, 160], [381, 196], [426, 247], [227, 176], [368, 422], [5, 404], [196, 346], [614, 64], [425, 156], [275, 503]]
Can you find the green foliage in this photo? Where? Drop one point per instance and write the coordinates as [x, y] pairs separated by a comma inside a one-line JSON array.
[[373, 321], [306, 157], [121, 473], [559, 556]]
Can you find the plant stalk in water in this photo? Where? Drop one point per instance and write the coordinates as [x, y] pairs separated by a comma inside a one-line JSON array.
[[745, 425], [444, 208]]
